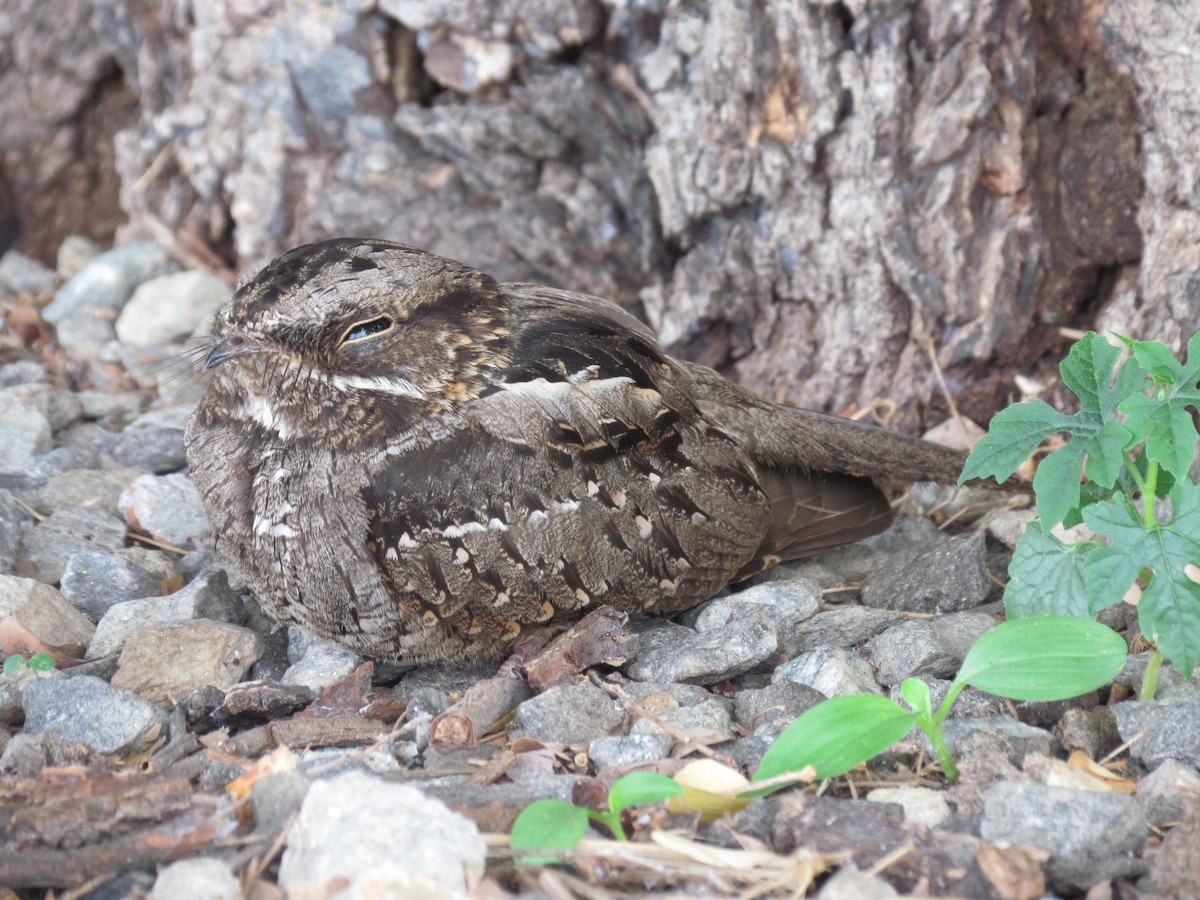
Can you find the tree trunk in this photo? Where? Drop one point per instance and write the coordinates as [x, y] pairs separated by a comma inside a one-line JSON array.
[[812, 196]]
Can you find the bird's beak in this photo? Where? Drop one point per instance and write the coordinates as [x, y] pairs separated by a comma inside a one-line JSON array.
[[228, 347]]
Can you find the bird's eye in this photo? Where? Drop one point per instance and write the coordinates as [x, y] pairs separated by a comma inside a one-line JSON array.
[[360, 331]]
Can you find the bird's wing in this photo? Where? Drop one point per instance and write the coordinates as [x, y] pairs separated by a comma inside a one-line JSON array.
[[582, 476]]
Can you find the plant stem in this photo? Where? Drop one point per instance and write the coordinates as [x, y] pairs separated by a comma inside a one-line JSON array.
[[933, 731], [1150, 679]]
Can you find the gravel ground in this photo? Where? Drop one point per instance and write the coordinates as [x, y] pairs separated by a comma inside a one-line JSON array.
[[236, 757]]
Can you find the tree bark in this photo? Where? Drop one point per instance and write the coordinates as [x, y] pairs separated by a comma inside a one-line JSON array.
[[810, 196]]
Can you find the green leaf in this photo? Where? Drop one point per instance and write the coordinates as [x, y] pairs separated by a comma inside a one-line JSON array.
[[41, 662], [1162, 419], [916, 694], [14, 664], [548, 825], [1090, 370], [1046, 576], [1013, 434], [637, 788], [1043, 658], [836, 735], [1169, 610]]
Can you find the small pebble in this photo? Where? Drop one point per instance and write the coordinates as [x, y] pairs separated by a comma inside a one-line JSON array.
[[196, 879], [833, 671], [167, 507]]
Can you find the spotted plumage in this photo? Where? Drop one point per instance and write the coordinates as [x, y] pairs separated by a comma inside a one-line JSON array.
[[423, 464]]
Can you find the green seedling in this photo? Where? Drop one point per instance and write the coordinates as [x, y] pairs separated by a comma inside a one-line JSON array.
[[557, 825], [1047, 658], [1124, 472], [39, 662]]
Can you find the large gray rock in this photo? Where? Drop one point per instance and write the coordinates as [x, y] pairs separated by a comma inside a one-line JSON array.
[[381, 838], [1091, 836], [88, 710], [171, 307]]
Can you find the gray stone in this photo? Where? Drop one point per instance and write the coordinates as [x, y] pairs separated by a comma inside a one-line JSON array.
[[157, 450], [947, 575], [196, 879], [208, 596], [107, 281], [168, 507], [37, 472], [87, 710], [842, 627], [60, 407], [21, 371], [995, 737], [13, 522], [708, 723], [934, 646], [119, 407], [94, 582], [316, 662], [68, 530], [833, 671], [45, 612], [922, 806], [88, 488], [171, 307], [85, 334], [616, 751], [24, 434], [21, 275], [275, 797], [670, 694], [766, 711], [379, 836], [1007, 525], [1170, 729], [1091, 731], [1091, 836], [168, 663], [1172, 684], [75, 252], [675, 653], [568, 714], [783, 604], [1168, 791]]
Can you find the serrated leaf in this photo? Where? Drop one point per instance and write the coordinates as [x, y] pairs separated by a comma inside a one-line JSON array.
[[1095, 434], [547, 825], [1013, 434], [1046, 576], [1169, 610], [1043, 658], [1166, 425], [637, 788], [836, 735], [1089, 371]]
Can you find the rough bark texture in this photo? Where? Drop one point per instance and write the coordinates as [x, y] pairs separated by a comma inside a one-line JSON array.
[[805, 194]]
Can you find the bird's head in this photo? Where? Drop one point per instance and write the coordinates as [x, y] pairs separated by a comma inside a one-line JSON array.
[[336, 340]]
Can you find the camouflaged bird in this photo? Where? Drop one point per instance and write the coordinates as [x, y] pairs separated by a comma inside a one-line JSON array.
[[423, 464]]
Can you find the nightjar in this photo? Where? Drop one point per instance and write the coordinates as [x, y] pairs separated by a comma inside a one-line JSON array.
[[423, 464]]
